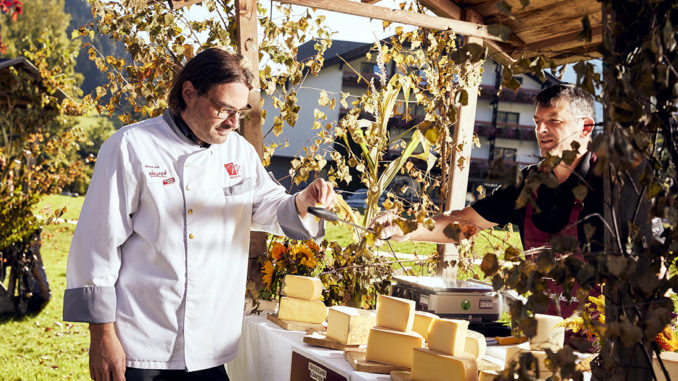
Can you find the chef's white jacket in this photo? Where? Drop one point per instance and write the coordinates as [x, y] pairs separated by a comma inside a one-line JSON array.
[[162, 242]]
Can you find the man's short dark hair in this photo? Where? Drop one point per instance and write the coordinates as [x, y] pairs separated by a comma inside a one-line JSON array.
[[579, 101], [212, 66]]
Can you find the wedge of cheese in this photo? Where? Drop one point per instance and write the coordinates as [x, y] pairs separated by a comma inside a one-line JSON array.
[[548, 335], [349, 325], [305, 311], [513, 354], [422, 322], [302, 287], [428, 365], [670, 360], [395, 313], [392, 347], [448, 336], [475, 344]]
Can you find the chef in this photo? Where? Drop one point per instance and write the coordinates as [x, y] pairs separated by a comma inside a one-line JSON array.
[[158, 261]]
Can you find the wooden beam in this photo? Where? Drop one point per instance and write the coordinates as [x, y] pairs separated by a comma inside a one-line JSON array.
[[444, 8], [597, 32], [176, 4], [369, 1], [396, 15]]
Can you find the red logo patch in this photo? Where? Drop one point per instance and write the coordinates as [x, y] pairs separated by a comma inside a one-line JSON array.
[[168, 181], [232, 169]]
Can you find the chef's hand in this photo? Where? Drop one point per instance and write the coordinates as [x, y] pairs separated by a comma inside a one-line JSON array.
[[385, 225], [319, 193], [106, 356]]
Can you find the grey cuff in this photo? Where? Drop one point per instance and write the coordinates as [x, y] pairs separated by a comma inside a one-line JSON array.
[[290, 222], [90, 304]]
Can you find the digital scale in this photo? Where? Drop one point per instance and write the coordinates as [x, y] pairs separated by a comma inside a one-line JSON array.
[[469, 300]]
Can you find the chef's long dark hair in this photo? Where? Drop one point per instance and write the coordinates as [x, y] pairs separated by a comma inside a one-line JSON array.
[[210, 67]]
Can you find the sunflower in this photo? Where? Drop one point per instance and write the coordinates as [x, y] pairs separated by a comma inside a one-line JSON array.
[[278, 250], [667, 339], [306, 251], [267, 271]]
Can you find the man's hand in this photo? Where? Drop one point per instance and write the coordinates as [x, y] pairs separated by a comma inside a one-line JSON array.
[[389, 229], [319, 192], [106, 356]]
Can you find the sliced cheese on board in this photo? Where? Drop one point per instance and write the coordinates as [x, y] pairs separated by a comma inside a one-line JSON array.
[[306, 311], [448, 336], [548, 335], [428, 365], [303, 287], [395, 313], [349, 325], [392, 347], [422, 322], [475, 344]]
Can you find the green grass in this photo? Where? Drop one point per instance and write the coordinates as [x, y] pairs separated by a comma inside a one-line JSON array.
[[48, 205]]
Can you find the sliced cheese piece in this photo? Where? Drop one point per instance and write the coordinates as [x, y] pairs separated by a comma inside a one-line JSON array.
[[349, 325], [475, 344], [428, 365], [548, 335], [487, 375], [303, 287], [422, 322], [305, 311], [670, 360], [395, 313], [392, 347], [513, 354], [448, 336]]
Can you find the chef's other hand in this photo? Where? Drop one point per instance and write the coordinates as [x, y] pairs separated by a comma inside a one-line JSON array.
[[319, 193], [106, 356], [385, 224]]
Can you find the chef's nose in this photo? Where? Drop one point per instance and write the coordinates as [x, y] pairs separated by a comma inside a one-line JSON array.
[[231, 121], [540, 128]]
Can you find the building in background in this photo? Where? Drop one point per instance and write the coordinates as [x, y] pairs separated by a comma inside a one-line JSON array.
[[503, 121]]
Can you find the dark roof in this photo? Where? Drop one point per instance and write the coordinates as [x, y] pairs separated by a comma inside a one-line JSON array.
[[26, 65]]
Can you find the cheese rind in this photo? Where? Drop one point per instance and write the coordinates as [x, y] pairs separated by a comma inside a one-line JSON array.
[[428, 365], [395, 313], [475, 344], [392, 347], [349, 325], [422, 322], [548, 335], [305, 311], [448, 336], [303, 287]]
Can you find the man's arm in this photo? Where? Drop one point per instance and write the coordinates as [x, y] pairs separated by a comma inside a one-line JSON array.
[[106, 356], [469, 221]]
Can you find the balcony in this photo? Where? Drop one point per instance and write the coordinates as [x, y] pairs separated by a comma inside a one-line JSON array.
[[350, 79], [487, 92], [505, 130]]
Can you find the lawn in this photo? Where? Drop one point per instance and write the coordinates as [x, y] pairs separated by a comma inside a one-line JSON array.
[[44, 347]]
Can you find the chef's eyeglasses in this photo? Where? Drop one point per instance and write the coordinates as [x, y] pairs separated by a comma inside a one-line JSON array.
[[226, 112]]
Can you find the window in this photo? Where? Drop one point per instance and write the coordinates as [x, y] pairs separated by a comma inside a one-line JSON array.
[[506, 154], [369, 68], [507, 117]]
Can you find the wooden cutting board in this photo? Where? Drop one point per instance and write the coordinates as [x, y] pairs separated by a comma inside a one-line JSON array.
[[320, 339], [357, 360], [294, 325], [400, 375]]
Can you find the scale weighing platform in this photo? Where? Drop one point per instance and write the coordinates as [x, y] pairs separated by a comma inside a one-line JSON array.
[[469, 300]]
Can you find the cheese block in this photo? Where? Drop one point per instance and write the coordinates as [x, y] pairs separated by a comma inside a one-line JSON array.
[[302, 287], [448, 336], [670, 361], [349, 325], [306, 311], [475, 344], [392, 347], [487, 375], [422, 322], [428, 365], [395, 313], [513, 354], [548, 335]]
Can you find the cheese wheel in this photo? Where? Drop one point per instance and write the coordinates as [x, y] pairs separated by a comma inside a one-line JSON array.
[[392, 347], [548, 335], [475, 344], [428, 365], [302, 287], [422, 322], [349, 325], [395, 313], [448, 336], [305, 311]]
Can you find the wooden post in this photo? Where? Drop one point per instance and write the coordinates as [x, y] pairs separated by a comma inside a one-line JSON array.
[[250, 128], [458, 178]]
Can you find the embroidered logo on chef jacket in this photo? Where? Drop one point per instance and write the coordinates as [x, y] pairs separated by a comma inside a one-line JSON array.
[[233, 170], [157, 174]]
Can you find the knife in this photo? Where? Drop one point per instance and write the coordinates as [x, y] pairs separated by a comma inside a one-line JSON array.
[[331, 216]]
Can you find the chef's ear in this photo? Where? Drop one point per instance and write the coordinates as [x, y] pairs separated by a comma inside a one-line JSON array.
[[589, 123], [189, 93]]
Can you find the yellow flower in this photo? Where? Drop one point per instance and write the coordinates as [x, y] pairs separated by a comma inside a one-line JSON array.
[[303, 249], [278, 250], [667, 339], [267, 270]]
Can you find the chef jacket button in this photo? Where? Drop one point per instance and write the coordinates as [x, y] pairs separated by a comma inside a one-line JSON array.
[[190, 211], [191, 236], [188, 187]]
